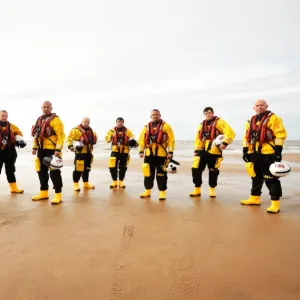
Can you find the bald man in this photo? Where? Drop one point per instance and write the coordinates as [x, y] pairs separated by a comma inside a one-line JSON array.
[[48, 140], [81, 140], [10, 137], [262, 145], [157, 144]]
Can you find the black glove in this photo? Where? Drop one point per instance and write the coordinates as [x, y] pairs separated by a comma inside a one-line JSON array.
[[246, 156], [278, 153], [20, 144]]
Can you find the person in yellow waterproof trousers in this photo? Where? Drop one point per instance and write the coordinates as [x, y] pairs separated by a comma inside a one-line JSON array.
[[121, 139], [10, 137], [81, 140], [49, 136], [208, 151], [262, 145], [157, 143]]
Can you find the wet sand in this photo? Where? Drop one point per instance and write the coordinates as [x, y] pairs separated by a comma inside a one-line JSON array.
[[109, 244]]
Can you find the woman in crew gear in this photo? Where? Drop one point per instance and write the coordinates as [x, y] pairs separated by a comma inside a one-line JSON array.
[[81, 140], [207, 152], [49, 136], [122, 139], [157, 143], [10, 137], [262, 146]]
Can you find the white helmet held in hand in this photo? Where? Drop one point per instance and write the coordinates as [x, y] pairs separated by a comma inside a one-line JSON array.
[[77, 146], [53, 162], [19, 138], [173, 166], [218, 140], [280, 169]]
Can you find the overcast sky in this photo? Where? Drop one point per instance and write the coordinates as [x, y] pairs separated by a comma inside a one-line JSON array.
[[106, 59]]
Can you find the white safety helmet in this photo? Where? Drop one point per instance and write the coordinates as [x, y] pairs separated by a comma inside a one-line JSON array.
[[53, 162], [77, 145], [280, 169], [19, 138], [218, 140], [173, 166]]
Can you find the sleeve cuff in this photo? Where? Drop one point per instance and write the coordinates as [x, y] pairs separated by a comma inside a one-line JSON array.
[[278, 142]]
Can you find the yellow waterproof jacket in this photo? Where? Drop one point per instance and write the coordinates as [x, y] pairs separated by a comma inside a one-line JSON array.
[[223, 127], [55, 141], [167, 146], [75, 135], [280, 134], [121, 148], [14, 129]]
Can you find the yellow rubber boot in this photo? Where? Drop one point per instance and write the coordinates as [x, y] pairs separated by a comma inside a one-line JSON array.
[[162, 195], [196, 192], [43, 195], [14, 188], [253, 200], [114, 184], [274, 208], [56, 199], [121, 184], [76, 187], [212, 192], [146, 194], [88, 186]]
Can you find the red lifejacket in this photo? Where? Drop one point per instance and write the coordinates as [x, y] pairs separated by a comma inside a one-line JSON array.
[[42, 127], [7, 135], [87, 137], [155, 134], [120, 137], [260, 132], [209, 131]]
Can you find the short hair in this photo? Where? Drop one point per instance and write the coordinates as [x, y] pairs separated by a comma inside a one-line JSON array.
[[155, 109], [208, 108], [119, 119], [3, 111]]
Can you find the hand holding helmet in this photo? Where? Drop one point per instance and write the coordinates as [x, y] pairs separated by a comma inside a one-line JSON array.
[[20, 143], [132, 143], [53, 162]]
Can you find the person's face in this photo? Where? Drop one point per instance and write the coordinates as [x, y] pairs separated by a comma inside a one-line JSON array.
[[208, 114], [3, 116], [46, 108], [120, 123], [155, 116], [260, 106], [85, 123]]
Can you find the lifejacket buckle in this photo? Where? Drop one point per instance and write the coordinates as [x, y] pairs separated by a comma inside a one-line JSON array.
[[152, 139], [4, 141], [37, 131]]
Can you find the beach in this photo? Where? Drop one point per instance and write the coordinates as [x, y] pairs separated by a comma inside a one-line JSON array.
[[110, 244]]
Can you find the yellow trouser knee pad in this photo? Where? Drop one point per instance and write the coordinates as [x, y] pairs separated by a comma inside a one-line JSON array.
[[250, 169], [218, 162], [37, 164], [79, 165], [196, 162], [112, 161], [128, 160], [146, 169]]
